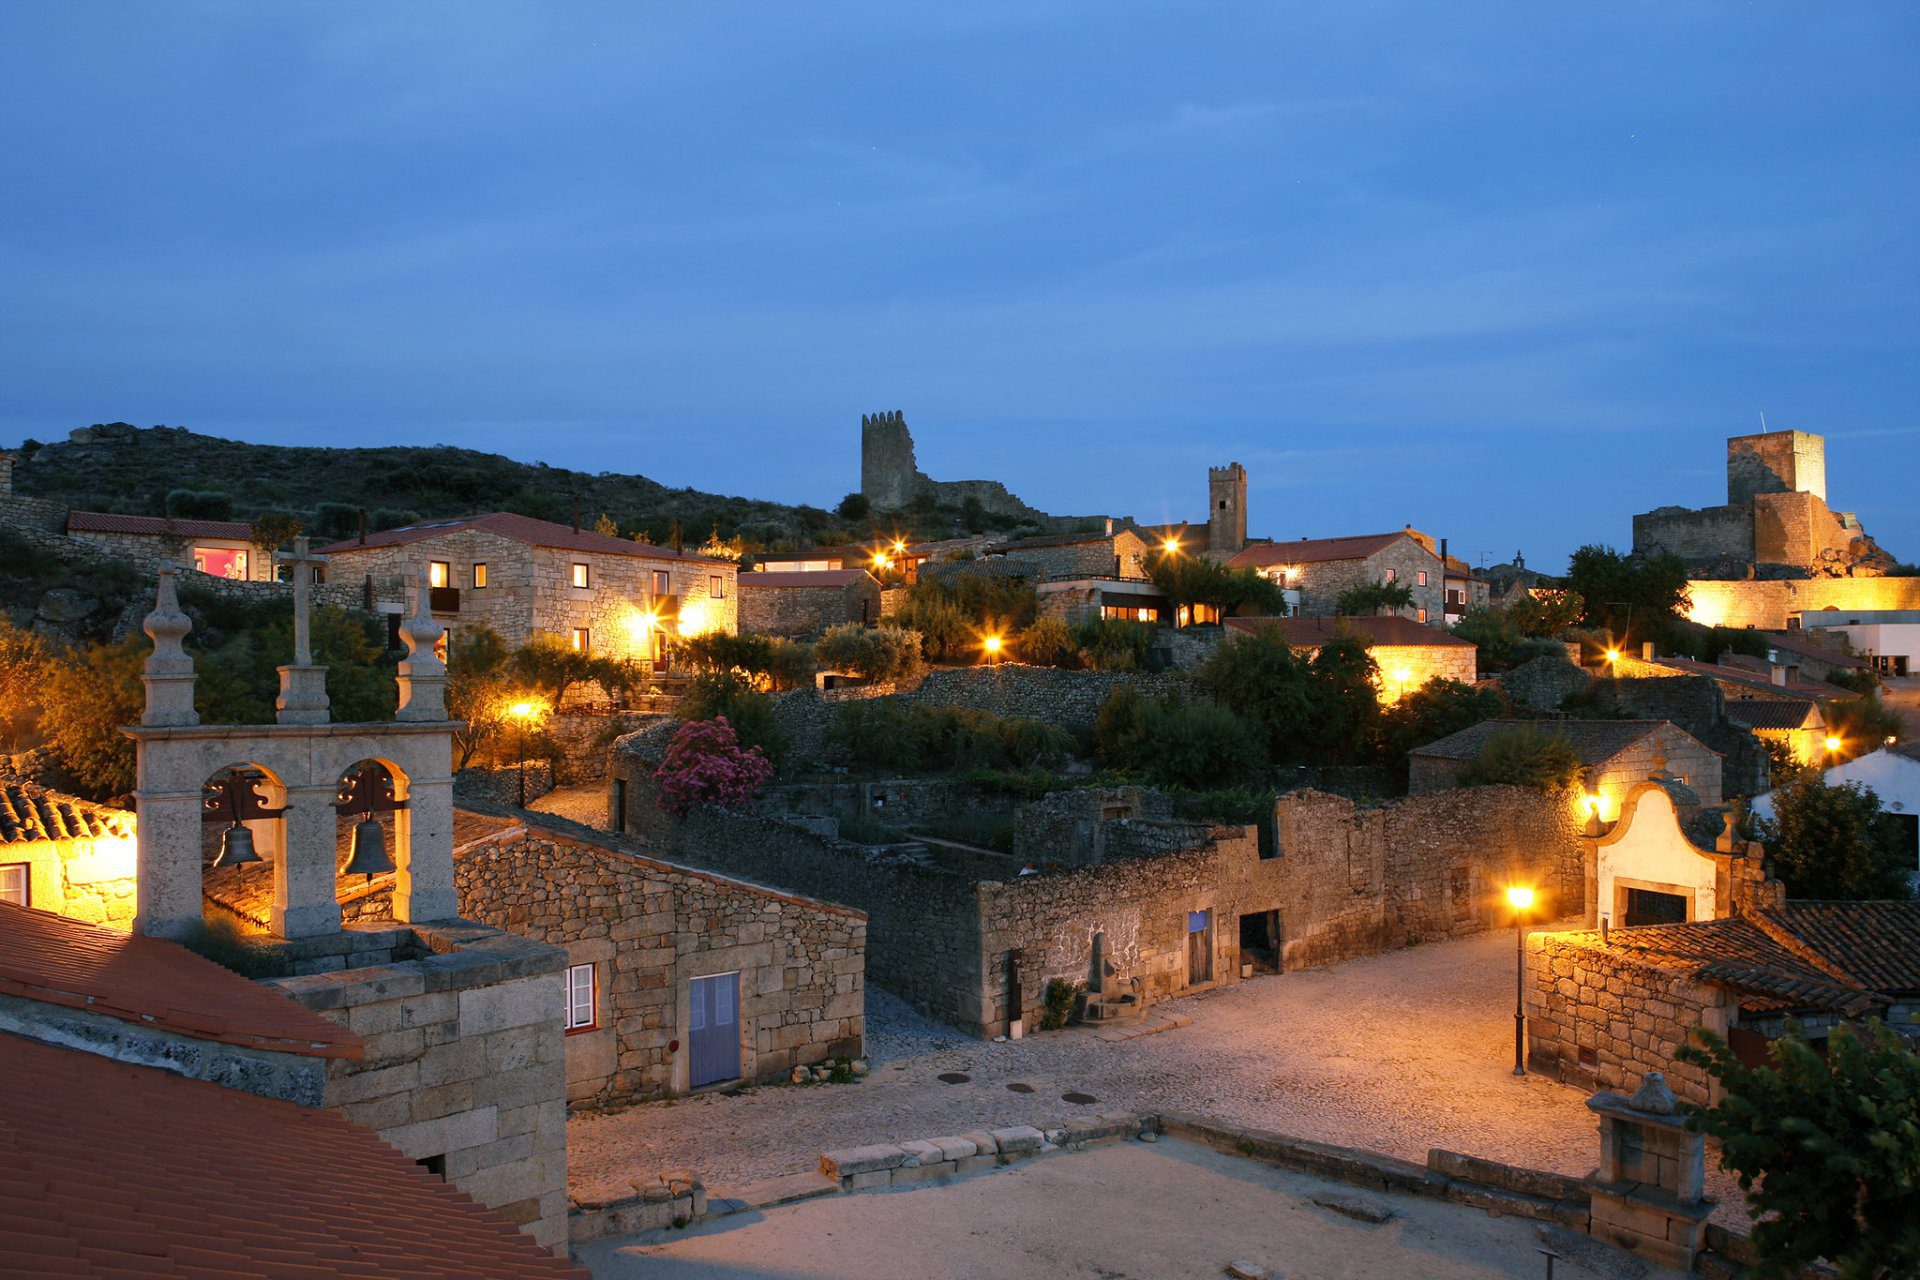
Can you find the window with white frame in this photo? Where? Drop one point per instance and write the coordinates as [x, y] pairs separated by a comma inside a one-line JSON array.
[[580, 997], [716, 587], [1423, 577], [15, 884], [480, 575]]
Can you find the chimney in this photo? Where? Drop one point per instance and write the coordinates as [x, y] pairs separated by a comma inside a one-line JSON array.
[[1649, 651], [1443, 555], [1109, 526], [363, 526], [576, 515]]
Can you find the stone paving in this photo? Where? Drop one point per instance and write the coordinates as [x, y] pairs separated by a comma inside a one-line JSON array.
[[585, 803], [1397, 1053]]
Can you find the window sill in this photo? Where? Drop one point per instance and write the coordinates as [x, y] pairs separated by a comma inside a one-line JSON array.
[[581, 1031]]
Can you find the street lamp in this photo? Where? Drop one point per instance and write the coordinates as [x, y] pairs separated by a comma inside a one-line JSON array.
[[1520, 898], [1613, 661], [992, 645], [1171, 546], [1833, 748], [523, 714]]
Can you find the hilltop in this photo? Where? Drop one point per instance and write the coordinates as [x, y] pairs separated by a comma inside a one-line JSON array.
[[120, 468]]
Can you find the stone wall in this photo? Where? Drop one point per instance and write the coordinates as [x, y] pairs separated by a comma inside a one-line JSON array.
[[1776, 462], [155, 548], [1698, 535], [1797, 529], [89, 879], [1121, 555], [1321, 583], [1767, 604], [1600, 1020], [1543, 683], [806, 612], [1353, 881], [1072, 828], [649, 928], [464, 1065], [1646, 691]]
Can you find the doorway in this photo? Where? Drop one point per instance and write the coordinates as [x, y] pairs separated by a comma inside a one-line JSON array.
[[713, 1029], [1260, 941], [1650, 906], [1199, 947]]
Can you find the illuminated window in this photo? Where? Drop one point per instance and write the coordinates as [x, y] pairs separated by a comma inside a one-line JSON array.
[[581, 575], [439, 573], [440, 647], [1392, 574], [580, 639], [480, 575], [661, 584], [717, 587], [221, 562], [1423, 615], [580, 999], [14, 885], [1423, 577]]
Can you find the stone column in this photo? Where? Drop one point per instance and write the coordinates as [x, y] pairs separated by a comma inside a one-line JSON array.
[[423, 887], [305, 902], [303, 685], [422, 677], [167, 890], [168, 675]]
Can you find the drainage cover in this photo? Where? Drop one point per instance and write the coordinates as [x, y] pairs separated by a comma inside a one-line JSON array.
[[1078, 1099], [954, 1077], [1017, 1087]]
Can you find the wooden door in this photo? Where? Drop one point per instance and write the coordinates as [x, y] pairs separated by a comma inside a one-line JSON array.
[[1199, 947], [713, 1029]]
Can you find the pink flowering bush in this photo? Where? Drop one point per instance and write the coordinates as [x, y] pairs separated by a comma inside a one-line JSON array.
[[706, 765]]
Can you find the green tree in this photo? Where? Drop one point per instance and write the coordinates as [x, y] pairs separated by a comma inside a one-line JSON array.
[[1188, 580], [1431, 712], [1629, 596], [1195, 744], [273, 530], [1259, 673], [1827, 1149], [1833, 842], [24, 662], [1545, 614], [1113, 644], [1862, 724], [85, 701], [199, 504], [714, 694], [550, 666], [1048, 642], [873, 653], [954, 612], [1367, 598], [1347, 683], [855, 506], [1524, 756], [478, 690]]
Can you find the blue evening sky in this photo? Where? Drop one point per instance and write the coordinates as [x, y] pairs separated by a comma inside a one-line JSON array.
[[1508, 272]]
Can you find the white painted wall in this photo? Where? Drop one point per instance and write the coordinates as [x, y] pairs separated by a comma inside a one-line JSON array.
[[1648, 850]]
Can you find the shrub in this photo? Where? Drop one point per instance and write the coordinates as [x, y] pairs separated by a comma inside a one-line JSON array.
[[24, 661], [1320, 710], [855, 506], [1862, 725], [1189, 580], [1058, 1005], [84, 702], [1197, 744], [1430, 713], [873, 653], [705, 764], [952, 613], [769, 661], [335, 521], [1834, 841], [1526, 757], [725, 694], [885, 734], [1049, 642], [1113, 644]]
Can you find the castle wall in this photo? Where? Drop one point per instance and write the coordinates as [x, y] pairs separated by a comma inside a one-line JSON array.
[[1796, 529], [1767, 604], [1706, 534], [1776, 462]]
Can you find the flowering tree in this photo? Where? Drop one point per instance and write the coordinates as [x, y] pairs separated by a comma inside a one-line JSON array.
[[706, 765]]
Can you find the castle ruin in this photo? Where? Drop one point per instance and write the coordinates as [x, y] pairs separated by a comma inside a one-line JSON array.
[[890, 477]]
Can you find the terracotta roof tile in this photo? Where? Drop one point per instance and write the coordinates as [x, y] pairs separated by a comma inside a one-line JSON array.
[[151, 981], [30, 813], [1315, 550], [157, 526], [1304, 633], [522, 529], [834, 578], [1775, 713], [113, 1169]]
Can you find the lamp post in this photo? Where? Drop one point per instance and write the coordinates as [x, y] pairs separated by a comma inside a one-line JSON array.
[[992, 645], [1521, 898], [1833, 750], [523, 714]]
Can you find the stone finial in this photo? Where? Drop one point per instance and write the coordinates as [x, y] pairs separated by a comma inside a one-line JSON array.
[[423, 676], [168, 675], [1654, 1097], [303, 682]]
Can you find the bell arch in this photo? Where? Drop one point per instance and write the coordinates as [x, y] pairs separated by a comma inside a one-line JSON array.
[[247, 797]]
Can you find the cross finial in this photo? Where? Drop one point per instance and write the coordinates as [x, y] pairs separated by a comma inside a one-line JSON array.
[[301, 562]]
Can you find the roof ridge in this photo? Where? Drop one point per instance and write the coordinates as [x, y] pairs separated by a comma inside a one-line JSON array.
[[1786, 938]]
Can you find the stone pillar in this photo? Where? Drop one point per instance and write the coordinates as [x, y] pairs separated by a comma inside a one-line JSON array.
[[167, 892], [422, 677], [423, 836], [305, 902], [168, 675], [303, 684]]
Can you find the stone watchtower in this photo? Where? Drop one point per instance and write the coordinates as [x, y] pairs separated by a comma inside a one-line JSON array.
[[889, 476], [1776, 462], [1227, 508]]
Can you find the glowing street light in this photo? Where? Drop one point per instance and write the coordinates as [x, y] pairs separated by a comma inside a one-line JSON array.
[[1171, 546], [1833, 747], [992, 645], [1519, 897]]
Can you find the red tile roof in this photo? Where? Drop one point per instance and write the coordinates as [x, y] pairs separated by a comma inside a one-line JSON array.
[[155, 983], [157, 526], [1307, 633], [109, 1169], [1775, 713], [804, 578], [1316, 550], [522, 529], [29, 814]]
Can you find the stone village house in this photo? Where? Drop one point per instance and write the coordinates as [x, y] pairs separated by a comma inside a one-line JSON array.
[[802, 605], [1616, 755], [220, 548], [64, 854], [1319, 569], [524, 577]]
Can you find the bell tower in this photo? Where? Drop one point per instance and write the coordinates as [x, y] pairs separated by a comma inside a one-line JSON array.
[[1227, 508]]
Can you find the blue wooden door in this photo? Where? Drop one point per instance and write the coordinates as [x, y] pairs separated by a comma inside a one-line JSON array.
[[713, 1029]]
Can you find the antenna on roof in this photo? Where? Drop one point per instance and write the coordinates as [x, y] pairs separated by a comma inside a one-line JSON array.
[[1763, 420]]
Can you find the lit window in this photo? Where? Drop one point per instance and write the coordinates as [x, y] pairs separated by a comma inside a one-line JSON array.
[[1423, 577], [1392, 574], [580, 639], [1423, 615], [716, 587], [661, 585], [480, 575], [580, 997], [439, 573], [581, 577], [221, 562], [14, 885]]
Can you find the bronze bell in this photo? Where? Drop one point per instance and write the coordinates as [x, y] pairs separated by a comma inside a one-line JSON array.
[[236, 847], [370, 857]]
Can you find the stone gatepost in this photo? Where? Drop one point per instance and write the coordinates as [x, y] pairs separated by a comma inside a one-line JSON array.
[[167, 892], [1649, 1195], [303, 685]]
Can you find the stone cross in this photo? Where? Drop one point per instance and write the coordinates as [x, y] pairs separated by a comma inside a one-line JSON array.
[[299, 563]]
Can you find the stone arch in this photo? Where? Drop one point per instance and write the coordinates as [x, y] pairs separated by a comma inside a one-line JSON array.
[[256, 794], [376, 786]]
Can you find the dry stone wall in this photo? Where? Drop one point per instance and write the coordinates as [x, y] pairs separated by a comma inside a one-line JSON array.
[[1354, 881], [806, 612]]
